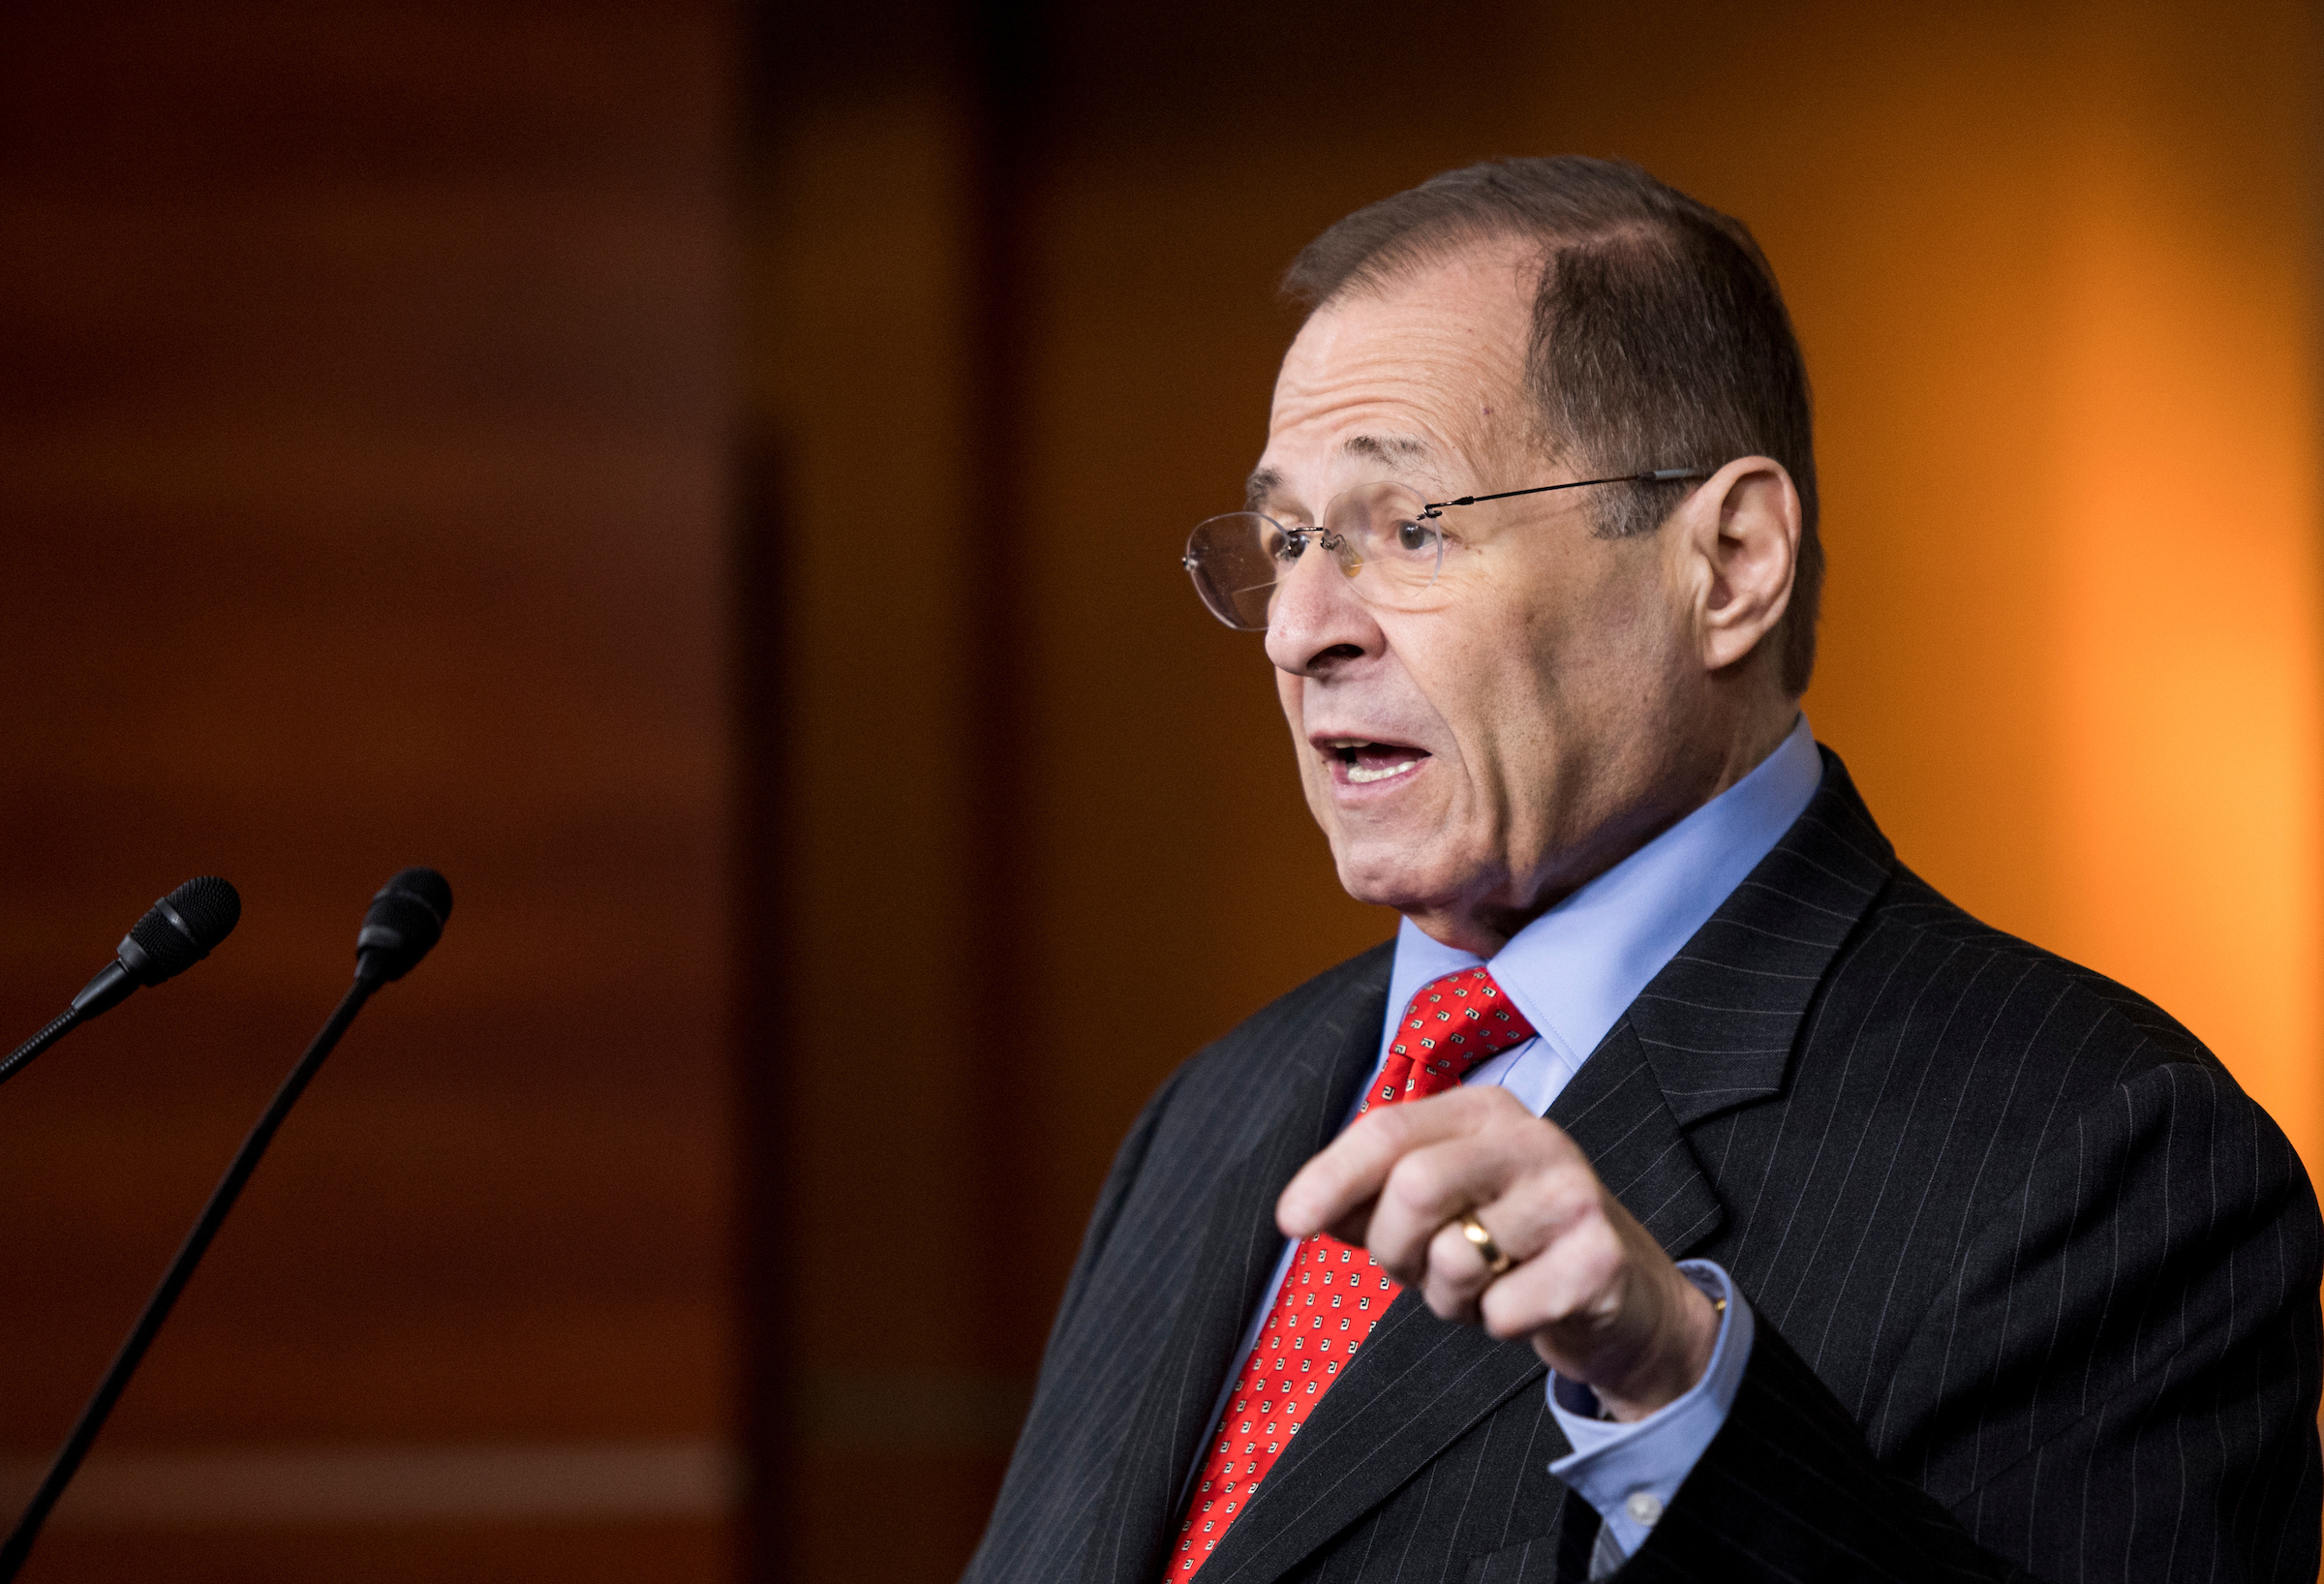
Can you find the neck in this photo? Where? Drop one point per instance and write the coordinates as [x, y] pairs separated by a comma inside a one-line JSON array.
[[1482, 926]]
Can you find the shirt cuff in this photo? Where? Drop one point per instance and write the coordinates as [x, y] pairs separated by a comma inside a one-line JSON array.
[[1631, 1472]]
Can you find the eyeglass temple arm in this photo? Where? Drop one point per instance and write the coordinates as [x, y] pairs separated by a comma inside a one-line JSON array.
[[1661, 475]]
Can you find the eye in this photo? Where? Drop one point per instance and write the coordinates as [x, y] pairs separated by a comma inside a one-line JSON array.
[[1287, 545], [1416, 537]]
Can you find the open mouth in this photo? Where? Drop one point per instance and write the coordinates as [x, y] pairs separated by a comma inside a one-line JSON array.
[[1366, 762]]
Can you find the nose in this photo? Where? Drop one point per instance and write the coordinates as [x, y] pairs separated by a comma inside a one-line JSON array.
[[1317, 622]]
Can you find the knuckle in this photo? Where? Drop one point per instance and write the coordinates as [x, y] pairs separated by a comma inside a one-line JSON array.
[[1597, 1257], [1531, 1143], [1502, 1314], [1418, 1182], [1451, 1294], [1391, 1124], [1572, 1189]]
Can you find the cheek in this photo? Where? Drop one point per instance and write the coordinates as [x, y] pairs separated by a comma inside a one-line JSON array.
[[1595, 647], [1523, 697], [1288, 691], [1501, 694]]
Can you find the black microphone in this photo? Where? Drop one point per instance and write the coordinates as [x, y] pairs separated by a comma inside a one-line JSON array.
[[176, 932], [405, 921]]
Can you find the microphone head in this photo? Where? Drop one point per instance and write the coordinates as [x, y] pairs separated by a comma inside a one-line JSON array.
[[405, 921], [180, 930]]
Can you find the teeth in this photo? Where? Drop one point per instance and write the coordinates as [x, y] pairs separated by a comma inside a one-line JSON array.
[[1360, 776]]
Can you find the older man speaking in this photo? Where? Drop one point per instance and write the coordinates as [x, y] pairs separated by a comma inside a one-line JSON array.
[[1688, 1190]]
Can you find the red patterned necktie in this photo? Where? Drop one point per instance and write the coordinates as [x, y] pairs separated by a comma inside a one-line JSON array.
[[1335, 1293]]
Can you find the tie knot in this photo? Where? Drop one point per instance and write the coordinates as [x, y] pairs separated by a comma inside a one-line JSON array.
[[1450, 1025]]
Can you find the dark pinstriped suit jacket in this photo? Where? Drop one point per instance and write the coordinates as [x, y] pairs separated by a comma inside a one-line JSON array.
[[2036, 1283]]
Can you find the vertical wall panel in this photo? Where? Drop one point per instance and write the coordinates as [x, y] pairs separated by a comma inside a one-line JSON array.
[[857, 287], [362, 476]]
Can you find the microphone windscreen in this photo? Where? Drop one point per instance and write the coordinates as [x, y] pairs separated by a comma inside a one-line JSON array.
[[404, 922], [180, 930]]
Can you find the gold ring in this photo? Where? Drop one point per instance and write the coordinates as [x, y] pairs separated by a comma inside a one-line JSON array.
[[1496, 1262]]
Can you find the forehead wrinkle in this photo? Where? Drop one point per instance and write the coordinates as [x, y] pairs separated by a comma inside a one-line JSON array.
[[1391, 450]]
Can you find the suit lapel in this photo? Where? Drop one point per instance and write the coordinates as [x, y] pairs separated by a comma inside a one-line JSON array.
[[1302, 1095], [1718, 1024], [1713, 1030], [1615, 1111]]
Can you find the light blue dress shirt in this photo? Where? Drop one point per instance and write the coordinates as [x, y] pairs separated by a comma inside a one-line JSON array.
[[1573, 971]]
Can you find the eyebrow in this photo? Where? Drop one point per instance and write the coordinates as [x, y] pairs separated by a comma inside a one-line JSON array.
[[1392, 449]]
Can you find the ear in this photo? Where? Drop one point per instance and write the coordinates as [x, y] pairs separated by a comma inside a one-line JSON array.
[[1739, 548]]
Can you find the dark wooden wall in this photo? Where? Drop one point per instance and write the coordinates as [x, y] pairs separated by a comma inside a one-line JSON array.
[[361, 505]]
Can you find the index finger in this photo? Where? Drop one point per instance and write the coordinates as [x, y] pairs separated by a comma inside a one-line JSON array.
[[1348, 1173]]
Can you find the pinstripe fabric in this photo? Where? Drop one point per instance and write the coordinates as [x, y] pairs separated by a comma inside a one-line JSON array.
[[2036, 1283]]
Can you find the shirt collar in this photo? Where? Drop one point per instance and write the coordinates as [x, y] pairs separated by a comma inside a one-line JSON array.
[[1573, 970]]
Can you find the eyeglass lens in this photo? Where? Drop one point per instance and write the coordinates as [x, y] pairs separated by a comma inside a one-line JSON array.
[[1378, 535]]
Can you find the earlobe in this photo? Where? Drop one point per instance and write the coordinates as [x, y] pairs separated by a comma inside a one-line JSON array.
[[1749, 540]]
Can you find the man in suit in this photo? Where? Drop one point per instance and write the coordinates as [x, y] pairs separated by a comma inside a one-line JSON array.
[[1688, 1190]]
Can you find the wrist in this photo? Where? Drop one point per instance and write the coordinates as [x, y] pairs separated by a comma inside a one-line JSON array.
[[1685, 1336]]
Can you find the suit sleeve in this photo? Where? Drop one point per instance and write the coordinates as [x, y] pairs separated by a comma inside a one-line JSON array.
[[2120, 1383]]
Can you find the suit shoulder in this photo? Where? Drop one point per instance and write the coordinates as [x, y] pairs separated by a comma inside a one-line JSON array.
[[1911, 906]]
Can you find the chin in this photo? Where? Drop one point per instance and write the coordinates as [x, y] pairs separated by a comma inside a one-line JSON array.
[[1390, 878]]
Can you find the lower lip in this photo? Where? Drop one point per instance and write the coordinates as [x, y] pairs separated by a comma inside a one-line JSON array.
[[1346, 790]]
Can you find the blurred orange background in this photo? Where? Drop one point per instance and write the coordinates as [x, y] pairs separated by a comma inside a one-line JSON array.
[[710, 480]]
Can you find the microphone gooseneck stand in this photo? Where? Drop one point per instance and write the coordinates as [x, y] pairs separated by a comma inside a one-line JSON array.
[[404, 922], [56, 1030], [140, 1336], [176, 932]]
